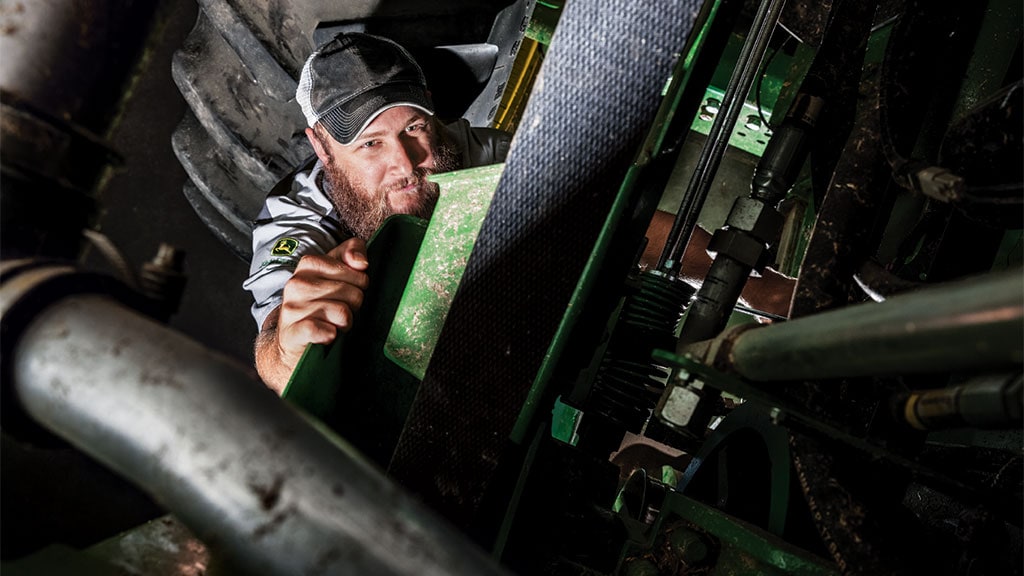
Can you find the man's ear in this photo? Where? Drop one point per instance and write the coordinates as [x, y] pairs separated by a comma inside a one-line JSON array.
[[318, 146]]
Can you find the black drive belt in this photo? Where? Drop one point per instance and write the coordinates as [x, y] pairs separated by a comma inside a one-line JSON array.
[[591, 107]]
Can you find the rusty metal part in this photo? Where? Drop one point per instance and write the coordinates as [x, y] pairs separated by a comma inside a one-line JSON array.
[[260, 484], [838, 244]]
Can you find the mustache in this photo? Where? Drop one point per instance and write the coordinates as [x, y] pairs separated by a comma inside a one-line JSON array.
[[417, 178]]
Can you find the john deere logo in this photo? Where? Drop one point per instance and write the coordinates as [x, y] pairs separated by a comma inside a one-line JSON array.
[[285, 247]]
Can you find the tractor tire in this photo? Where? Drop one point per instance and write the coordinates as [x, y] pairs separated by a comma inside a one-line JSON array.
[[239, 66]]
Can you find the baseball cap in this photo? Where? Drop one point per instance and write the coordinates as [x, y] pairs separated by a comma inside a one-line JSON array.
[[350, 80]]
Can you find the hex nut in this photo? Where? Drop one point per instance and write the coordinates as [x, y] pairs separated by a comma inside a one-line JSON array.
[[739, 246], [756, 218]]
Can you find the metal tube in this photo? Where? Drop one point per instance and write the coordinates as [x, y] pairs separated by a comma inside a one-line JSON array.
[[66, 69], [246, 472], [71, 60], [750, 57], [709, 312], [990, 401], [967, 325]]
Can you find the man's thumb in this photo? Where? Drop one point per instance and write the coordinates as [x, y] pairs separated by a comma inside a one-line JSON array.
[[352, 253]]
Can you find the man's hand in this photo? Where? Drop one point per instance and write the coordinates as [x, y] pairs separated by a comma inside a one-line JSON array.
[[321, 298]]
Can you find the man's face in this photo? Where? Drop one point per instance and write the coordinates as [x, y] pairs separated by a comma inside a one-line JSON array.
[[384, 171]]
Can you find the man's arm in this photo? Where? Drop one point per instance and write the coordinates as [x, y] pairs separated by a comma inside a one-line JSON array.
[[272, 368], [320, 299]]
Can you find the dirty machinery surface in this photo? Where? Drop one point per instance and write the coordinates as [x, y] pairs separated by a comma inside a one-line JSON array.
[[524, 393]]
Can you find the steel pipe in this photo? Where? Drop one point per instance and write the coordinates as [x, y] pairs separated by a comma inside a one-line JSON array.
[[247, 473], [966, 325]]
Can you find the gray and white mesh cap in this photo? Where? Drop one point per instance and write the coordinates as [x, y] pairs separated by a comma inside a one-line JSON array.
[[351, 79]]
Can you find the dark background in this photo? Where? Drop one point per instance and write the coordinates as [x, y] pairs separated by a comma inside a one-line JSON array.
[[53, 493], [143, 204]]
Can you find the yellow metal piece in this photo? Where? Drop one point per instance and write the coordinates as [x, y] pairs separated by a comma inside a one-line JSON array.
[[520, 85]]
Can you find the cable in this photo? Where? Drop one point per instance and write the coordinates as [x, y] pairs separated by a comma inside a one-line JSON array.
[[109, 251]]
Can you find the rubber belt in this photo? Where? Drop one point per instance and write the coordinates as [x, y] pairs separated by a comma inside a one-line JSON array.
[[592, 105]]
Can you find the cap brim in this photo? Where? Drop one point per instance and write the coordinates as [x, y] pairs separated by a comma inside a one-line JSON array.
[[347, 121]]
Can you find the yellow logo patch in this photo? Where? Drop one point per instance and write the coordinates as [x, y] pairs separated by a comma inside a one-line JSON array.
[[284, 247]]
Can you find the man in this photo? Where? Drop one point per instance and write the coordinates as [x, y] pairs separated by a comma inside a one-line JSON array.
[[371, 124]]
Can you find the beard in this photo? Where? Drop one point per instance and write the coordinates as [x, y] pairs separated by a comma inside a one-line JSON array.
[[363, 211]]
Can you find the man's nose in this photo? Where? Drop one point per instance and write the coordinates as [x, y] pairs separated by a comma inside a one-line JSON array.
[[415, 152], [399, 161]]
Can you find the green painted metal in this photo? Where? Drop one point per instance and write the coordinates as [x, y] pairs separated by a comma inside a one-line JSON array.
[[750, 134], [544, 20], [687, 529], [998, 39], [351, 385], [447, 243], [772, 91], [564, 419], [747, 434]]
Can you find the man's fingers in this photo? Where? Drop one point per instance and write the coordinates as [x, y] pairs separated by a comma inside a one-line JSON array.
[[352, 252], [337, 308], [323, 271], [321, 298], [310, 291], [294, 339], [327, 268]]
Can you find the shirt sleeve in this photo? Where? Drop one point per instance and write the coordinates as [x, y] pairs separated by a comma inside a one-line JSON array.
[[289, 227]]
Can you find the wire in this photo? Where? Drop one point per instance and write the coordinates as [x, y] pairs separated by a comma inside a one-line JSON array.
[[109, 251], [982, 199]]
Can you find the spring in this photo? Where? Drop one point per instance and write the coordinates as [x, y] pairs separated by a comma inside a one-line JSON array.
[[628, 383]]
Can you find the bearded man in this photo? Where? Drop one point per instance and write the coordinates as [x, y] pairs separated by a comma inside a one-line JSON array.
[[371, 124]]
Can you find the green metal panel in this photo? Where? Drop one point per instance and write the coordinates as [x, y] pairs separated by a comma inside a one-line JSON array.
[[465, 197], [350, 385], [693, 536]]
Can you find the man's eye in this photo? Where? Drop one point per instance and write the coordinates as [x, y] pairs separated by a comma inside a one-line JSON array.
[[415, 127], [369, 144]]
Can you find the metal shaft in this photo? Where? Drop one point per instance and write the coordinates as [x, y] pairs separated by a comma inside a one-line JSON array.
[[967, 325], [243, 470], [750, 57]]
